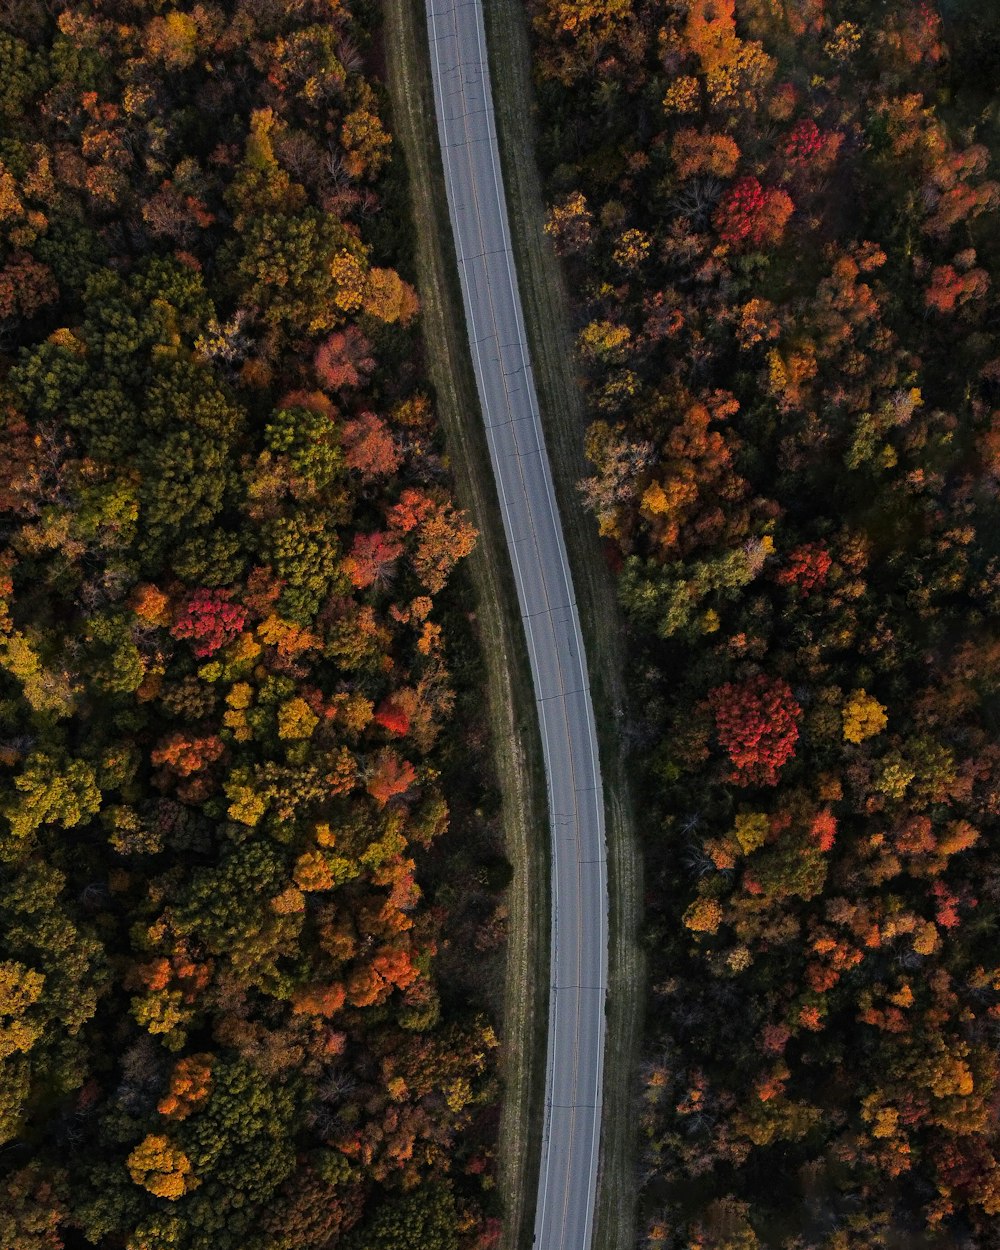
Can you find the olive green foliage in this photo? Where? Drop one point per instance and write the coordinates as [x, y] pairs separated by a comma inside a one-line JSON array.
[[236, 1006], [780, 220]]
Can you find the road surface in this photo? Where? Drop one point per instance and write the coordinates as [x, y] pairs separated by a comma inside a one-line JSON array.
[[463, 102]]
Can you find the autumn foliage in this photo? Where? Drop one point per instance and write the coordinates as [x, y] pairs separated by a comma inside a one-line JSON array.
[[751, 216], [391, 716], [238, 780], [778, 226], [807, 568], [209, 620], [757, 723], [343, 361], [157, 1165], [190, 1084], [369, 446]]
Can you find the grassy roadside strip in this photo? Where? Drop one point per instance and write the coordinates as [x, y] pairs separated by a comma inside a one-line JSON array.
[[545, 301], [515, 738]]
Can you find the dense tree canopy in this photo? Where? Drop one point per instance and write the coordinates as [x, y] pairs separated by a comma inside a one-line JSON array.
[[780, 217], [235, 1004]]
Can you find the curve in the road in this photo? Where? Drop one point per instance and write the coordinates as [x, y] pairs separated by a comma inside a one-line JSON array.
[[564, 1215]]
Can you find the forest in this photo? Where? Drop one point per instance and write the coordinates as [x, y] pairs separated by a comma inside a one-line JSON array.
[[779, 222], [249, 829]]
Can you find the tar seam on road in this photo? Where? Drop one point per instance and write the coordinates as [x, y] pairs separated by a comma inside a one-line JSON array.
[[463, 103]]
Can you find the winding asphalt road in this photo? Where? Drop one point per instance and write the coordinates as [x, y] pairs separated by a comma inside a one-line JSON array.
[[567, 1185]]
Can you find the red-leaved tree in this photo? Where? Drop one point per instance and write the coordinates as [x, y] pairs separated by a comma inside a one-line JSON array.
[[750, 215], [344, 360], [392, 717], [803, 142], [372, 558], [209, 620], [369, 446], [757, 723], [807, 568]]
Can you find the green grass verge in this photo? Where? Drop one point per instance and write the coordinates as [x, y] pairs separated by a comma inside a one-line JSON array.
[[514, 727]]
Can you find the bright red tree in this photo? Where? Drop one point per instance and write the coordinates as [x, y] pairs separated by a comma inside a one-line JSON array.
[[807, 568], [949, 289], [757, 723], [803, 142], [209, 620], [751, 215], [392, 717]]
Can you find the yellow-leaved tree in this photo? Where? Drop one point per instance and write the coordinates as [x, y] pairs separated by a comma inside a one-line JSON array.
[[863, 716], [161, 1167]]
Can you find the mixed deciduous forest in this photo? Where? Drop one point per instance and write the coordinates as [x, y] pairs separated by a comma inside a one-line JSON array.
[[781, 217], [247, 830]]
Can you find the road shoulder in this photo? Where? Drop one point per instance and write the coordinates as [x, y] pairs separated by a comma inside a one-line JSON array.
[[545, 302], [515, 742]]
